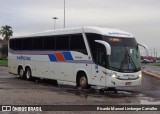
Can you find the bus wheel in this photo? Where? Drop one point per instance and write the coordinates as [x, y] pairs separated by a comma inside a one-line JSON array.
[[28, 74], [21, 72], [83, 81]]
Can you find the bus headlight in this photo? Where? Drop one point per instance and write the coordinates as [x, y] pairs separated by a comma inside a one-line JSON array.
[[113, 75], [140, 75]]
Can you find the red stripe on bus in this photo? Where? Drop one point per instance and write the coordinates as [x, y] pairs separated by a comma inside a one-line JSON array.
[[59, 56]]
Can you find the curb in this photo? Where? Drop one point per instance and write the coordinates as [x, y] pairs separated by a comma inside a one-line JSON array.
[[4, 65], [151, 74]]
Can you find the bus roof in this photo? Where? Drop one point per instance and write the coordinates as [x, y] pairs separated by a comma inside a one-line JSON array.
[[85, 29]]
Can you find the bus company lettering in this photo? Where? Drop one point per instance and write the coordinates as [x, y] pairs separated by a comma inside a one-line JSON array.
[[78, 57], [128, 75], [118, 33], [23, 58]]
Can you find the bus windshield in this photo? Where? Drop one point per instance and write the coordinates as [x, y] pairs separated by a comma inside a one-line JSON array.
[[125, 55]]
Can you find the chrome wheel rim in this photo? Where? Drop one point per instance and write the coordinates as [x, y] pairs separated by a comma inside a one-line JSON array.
[[21, 72], [28, 74], [83, 81]]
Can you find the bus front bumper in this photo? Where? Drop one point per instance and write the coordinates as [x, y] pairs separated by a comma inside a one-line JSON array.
[[124, 79]]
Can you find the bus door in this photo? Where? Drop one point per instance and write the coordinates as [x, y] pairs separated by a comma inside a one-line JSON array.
[[99, 68]]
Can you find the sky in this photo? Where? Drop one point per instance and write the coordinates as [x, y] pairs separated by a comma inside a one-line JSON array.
[[139, 17]]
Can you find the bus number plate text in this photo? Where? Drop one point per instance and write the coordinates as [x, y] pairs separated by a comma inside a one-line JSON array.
[[128, 83]]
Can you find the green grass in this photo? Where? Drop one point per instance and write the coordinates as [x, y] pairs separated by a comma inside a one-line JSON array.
[[4, 62], [156, 64]]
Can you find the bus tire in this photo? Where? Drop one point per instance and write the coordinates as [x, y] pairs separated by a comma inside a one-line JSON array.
[[20, 72], [83, 81], [28, 73]]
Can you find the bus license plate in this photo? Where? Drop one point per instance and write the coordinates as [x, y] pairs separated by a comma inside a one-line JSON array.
[[128, 83]]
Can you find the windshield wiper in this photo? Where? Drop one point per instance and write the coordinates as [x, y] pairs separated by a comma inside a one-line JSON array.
[[123, 61], [135, 68], [128, 60]]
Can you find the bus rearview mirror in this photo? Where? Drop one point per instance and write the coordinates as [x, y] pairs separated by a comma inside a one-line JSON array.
[[107, 46], [145, 47]]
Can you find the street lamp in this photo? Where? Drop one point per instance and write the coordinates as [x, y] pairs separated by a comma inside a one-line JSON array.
[[55, 21]]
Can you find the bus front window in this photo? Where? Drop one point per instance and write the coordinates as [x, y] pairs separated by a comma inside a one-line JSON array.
[[125, 56]]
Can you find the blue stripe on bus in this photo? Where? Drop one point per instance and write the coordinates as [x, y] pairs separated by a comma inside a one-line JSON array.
[[52, 57], [67, 56]]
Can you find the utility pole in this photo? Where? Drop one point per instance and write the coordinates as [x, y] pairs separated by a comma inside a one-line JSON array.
[[64, 13], [154, 52]]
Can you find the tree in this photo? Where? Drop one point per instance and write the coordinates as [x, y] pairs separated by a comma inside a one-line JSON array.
[[6, 32]]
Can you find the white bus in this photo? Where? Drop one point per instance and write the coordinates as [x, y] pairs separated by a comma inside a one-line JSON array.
[[86, 56]]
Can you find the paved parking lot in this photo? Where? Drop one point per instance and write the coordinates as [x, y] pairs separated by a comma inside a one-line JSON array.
[[22, 92], [15, 91]]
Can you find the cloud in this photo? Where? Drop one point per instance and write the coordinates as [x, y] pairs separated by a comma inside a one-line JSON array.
[[140, 17]]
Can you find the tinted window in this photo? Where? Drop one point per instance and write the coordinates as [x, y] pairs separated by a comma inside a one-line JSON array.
[[27, 44], [49, 43], [38, 43], [62, 43], [100, 55], [91, 40], [130, 42], [77, 44], [12, 43], [18, 44]]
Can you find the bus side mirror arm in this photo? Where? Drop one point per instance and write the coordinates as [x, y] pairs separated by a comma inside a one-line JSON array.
[[107, 46], [145, 47]]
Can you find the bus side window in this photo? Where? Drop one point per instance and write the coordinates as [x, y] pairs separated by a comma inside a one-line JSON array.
[[77, 44], [92, 44], [49, 43], [18, 44], [37, 43], [12, 44], [101, 57], [62, 42], [27, 44]]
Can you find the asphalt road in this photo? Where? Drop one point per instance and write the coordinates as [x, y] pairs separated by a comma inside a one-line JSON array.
[[15, 91], [150, 87]]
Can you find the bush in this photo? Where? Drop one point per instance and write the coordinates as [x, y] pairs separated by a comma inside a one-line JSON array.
[[4, 62]]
